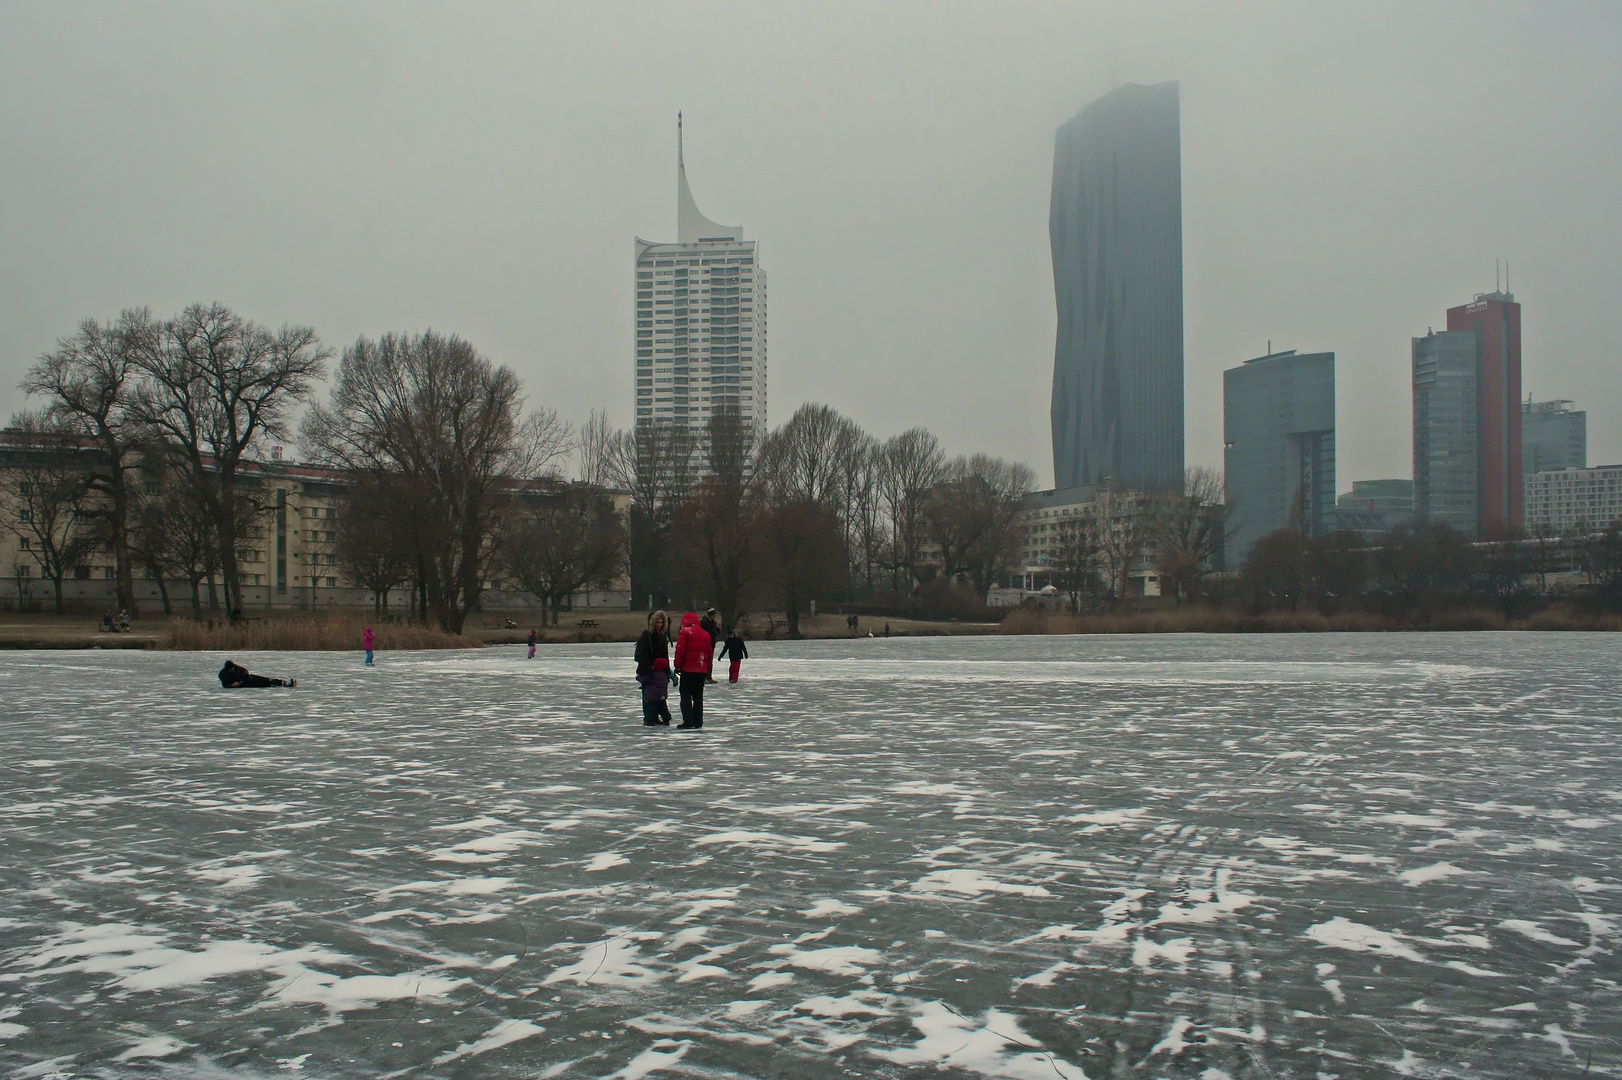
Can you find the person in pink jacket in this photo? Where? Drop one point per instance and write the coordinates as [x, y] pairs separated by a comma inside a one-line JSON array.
[[369, 641], [695, 649]]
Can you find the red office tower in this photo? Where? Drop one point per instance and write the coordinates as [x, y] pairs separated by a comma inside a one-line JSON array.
[[1495, 318]]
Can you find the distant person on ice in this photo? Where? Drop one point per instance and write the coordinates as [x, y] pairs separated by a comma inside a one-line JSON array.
[[368, 641], [653, 670], [736, 649], [233, 675], [711, 625], [532, 644], [694, 653]]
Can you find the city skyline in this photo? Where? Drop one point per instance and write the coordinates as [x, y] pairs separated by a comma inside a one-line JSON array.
[[404, 170]]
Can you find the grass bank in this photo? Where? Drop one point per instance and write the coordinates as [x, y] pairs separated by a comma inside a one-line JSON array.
[[304, 635], [1205, 620]]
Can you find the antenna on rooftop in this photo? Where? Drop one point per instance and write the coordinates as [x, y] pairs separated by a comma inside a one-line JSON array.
[[1496, 286], [1506, 275]]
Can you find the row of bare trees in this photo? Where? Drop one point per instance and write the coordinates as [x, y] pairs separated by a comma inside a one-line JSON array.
[[1415, 569], [136, 406], [819, 509], [147, 425], [452, 481]]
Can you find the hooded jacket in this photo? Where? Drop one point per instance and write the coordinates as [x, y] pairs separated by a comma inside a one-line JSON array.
[[694, 647]]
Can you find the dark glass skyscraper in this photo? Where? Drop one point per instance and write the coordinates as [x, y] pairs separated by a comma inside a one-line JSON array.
[[1278, 423], [1116, 225]]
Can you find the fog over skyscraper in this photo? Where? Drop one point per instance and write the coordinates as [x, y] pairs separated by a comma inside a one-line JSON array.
[[1116, 227], [700, 323]]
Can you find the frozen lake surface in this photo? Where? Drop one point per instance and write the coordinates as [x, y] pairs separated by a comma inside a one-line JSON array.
[[1271, 856]]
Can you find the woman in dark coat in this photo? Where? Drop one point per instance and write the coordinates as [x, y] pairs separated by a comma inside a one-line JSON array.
[[652, 648]]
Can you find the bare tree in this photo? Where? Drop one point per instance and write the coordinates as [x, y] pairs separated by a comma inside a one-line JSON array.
[[373, 547], [214, 388], [432, 412], [154, 525], [88, 381], [604, 455], [564, 541], [802, 553], [807, 459], [859, 512], [660, 473], [1190, 525], [1125, 525], [713, 539], [1075, 559], [910, 466], [731, 448], [975, 518], [50, 506]]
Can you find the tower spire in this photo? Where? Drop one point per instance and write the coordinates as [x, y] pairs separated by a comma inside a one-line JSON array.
[[692, 226]]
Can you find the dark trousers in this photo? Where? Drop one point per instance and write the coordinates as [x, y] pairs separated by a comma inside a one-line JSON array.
[[692, 698], [656, 711], [260, 681]]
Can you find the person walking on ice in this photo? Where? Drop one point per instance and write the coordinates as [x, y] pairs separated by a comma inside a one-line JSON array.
[[695, 650], [653, 670], [532, 644], [368, 641], [736, 649]]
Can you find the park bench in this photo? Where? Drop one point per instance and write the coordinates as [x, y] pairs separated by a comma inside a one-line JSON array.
[[588, 624]]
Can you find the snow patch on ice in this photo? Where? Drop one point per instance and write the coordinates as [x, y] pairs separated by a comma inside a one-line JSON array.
[[1046, 976], [1175, 951], [952, 1041], [837, 960], [1532, 930], [971, 883], [158, 1046], [1172, 1044], [861, 1003], [742, 836], [663, 1054], [230, 877], [509, 1031], [1107, 818], [1435, 872], [829, 909], [1342, 933], [1415, 821], [1208, 906], [612, 962]]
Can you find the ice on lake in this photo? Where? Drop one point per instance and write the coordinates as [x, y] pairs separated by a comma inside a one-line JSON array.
[[1274, 856]]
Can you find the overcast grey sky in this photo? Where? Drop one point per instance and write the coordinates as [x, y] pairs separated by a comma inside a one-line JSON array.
[[1349, 172]]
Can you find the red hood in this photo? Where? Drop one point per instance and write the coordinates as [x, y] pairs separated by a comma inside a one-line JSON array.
[[689, 619]]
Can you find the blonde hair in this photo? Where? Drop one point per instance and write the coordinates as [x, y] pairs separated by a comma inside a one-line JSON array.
[[659, 615]]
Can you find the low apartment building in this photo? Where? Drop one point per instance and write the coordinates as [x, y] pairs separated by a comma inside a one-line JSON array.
[[1567, 500], [286, 553]]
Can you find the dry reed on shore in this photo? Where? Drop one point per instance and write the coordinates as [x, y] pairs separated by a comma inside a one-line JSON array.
[[304, 635], [1204, 620]]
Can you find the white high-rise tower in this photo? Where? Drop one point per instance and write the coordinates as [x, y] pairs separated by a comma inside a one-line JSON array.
[[700, 324]]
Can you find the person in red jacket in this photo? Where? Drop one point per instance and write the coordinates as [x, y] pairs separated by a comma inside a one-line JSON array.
[[694, 652]]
